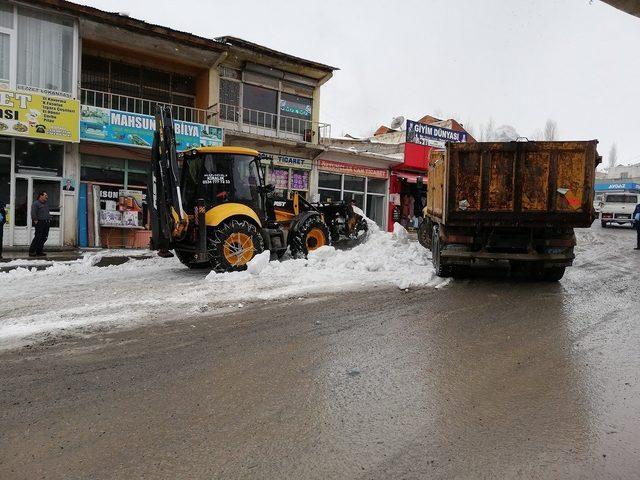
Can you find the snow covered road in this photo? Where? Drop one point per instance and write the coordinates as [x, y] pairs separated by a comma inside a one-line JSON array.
[[77, 297]]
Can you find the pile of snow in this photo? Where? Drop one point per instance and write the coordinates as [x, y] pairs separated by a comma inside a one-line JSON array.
[[382, 259], [79, 295]]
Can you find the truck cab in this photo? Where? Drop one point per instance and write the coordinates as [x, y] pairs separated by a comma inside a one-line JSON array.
[[618, 208]]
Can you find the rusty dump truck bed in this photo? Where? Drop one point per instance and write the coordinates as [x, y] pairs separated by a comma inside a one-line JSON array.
[[513, 184]]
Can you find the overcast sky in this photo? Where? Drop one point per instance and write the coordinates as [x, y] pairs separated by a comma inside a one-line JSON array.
[[518, 62]]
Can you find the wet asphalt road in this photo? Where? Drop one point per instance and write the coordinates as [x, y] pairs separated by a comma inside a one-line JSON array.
[[486, 378]]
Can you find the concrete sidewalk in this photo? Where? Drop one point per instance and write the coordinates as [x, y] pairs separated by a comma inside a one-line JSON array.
[[13, 258]]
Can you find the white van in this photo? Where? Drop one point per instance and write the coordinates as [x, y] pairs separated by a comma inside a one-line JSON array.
[[618, 208]]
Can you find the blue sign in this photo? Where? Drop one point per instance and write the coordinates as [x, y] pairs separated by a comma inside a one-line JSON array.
[[136, 130], [432, 135], [627, 186]]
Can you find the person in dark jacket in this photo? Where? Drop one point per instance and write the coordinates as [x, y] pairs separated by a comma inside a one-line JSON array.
[[41, 218], [636, 224], [3, 220]]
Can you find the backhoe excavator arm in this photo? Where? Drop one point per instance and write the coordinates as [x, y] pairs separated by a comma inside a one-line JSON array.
[[168, 219]]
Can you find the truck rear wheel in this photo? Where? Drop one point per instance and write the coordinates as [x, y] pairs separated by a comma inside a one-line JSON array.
[[424, 234], [233, 244], [436, 257], [310, 236], [553, 274]]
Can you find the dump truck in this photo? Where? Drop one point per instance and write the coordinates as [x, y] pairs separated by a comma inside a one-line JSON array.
[[511, 204]]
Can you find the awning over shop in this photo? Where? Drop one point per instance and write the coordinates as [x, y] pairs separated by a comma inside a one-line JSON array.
[[409, 176]]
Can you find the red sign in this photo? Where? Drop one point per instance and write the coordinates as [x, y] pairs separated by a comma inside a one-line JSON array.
[[351, 169], [416, 157]]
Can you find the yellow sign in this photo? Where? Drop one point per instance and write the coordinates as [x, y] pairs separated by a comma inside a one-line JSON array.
[[39, 116]]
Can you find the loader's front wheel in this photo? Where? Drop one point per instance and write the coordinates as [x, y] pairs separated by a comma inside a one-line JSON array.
[[233, 244], [311, 235]]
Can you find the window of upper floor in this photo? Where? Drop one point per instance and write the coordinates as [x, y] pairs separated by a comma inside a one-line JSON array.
[[109, 83], [263, 100], [37, 50]]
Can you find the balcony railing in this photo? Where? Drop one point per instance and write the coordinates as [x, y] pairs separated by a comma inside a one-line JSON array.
[[268, 124], [143, 106]]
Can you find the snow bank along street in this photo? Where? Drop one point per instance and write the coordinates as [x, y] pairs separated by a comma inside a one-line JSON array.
[[76, 296]]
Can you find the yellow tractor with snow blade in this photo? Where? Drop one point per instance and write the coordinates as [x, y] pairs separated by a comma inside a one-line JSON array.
[[217, 211]]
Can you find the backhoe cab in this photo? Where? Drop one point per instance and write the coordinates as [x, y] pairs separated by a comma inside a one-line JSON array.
[[212, 206]]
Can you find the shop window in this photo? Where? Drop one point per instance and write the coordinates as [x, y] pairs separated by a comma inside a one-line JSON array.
[[5, 57], [6, 15], [136, 179], [279, 177], [5, 147], [5, 179], [329, 195], [330, 180], [356, 198], [100, 175], [45, 51], [354, 183], [137, 173], [375, 208], [39, 158], [300, 180], [229, 100], [259, 106], [102, 170], [375, 185]]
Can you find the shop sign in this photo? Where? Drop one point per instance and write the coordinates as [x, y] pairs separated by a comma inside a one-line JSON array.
[[132, 129], [39, 116], [432, 135], [603, 187], [286, 161], [295, 108], [351, 169]]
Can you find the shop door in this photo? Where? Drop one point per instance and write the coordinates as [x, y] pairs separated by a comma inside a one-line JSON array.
[[27, 188]]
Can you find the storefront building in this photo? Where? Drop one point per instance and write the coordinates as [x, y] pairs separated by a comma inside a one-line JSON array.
[[269, 101], [407, 195], [39, 117], [288, 174], [121, 85], [361, 178]]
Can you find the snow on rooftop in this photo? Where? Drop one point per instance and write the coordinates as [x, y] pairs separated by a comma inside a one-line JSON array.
[[78, 297]]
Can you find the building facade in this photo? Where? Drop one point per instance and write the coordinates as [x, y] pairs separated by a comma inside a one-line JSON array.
[[101, 76], [39, 116]]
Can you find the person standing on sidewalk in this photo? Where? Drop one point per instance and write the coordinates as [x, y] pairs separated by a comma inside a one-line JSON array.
[[636, 224], [41, 218], [3, 220]]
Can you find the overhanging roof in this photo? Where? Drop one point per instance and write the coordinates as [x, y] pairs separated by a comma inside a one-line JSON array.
[[632, 7], [240, 43], [128, 23]]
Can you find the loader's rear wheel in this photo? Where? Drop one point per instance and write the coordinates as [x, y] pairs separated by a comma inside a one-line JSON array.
[[311, 235], [186, 258], [233, 244]]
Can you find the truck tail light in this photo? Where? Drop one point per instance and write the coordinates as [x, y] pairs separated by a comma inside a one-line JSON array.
[[459, 239]]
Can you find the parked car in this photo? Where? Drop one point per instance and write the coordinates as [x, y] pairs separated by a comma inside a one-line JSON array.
[[618, 208]]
